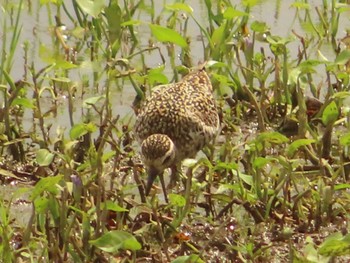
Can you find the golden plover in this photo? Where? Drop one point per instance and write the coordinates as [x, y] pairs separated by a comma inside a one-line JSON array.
[[174, 123]]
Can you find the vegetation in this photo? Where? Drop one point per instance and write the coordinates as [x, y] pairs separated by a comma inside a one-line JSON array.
[[275, 186]]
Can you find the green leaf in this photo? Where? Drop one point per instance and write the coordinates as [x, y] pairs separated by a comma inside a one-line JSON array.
[[272, 137], [108, 155], [330, 113], [218, 35], [92, 7], [341, 95], [294, 146], [116, 240], [300, 5], [24, 102], [177, 200], [109, 205], [54, 208], [41, 204], [180, 7], [48, 184], [188, 259], [77, 131], [248, 179], [260, 162], [81, 129], [343, 57], [259, 27], [164, 34], [335, 245], [156, 76], [44, 157], [8, 79], [308, 66], [226, 165], [231, 13], [65, 65], [250, 3], [113, 14], [345, 139], [92, 101], [338, 187], [61, 79]]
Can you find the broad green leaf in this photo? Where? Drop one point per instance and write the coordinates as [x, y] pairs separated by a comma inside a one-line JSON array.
[[345, 139], [41, 204], [218, 35], [81, 129], [272, 137], [113, 14], [343, 57], [77, 131], [108, 155], [335, 245], [294, 146], [116, 240], [226, 166], [46, 184], [156, 76], [260, 162], [24, 102], [92, 7], [180, 7], [188, 259], [164, 34], [310, 63], [259, 27], [177, 200], [44, 157], [109, 205], [92, 101], [265, 139], [330, 113], [54, 208], [231, 13], [63, 64], [248, 179], [222, 197]]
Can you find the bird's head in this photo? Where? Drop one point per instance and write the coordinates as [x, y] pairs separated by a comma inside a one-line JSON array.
[[158, 153]]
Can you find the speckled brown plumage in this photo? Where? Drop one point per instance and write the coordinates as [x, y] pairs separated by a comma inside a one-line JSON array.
[[176, 121]]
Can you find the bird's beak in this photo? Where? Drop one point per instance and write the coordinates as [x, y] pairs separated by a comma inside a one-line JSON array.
[[152, 175]]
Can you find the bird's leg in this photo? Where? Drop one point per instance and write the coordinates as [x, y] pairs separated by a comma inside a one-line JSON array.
[[174, 176], [161, 177]]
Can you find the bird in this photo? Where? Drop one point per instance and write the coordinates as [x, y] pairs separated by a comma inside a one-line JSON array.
[[175, 122]]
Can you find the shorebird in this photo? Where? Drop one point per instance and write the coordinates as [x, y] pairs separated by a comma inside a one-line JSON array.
[[174, 123]]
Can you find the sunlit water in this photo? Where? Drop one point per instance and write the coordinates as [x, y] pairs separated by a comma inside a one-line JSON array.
[[36, 30]]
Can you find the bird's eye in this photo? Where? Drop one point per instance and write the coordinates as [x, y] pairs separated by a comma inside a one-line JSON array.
[[166, 160]]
